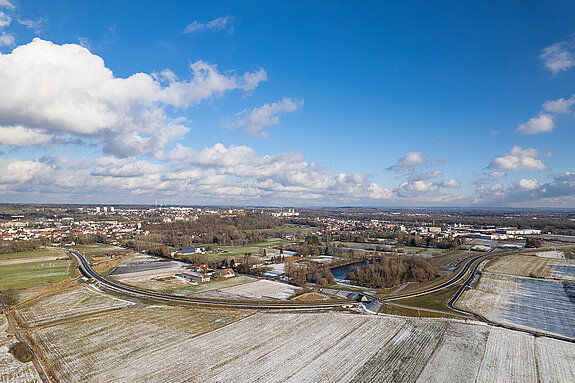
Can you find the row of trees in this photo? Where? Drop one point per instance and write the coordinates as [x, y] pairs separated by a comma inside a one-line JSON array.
[[21, 245]]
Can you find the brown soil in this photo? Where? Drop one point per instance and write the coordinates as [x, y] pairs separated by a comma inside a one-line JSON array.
[[22, 352]]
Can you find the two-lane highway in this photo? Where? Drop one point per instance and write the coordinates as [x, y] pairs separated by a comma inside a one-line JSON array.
[[87, 271], [468, 265]]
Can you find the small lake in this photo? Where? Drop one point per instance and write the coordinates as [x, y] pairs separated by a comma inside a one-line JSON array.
[[341, 272]]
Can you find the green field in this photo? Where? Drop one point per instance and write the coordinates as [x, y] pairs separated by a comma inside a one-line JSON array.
[[228, 252], [91, 250], [288, 229], [434, 301], [419, 250], [36, 268]]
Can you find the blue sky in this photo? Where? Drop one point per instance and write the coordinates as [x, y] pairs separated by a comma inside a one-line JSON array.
[[305, 103]]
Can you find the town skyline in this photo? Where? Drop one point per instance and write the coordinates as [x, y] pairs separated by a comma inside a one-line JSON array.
[[304, 104]]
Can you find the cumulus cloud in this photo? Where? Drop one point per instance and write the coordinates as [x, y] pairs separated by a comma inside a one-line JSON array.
[[284, 173], [412, 189], [21, 136], [64, 90], [219, 24], [560, 106], [518, 159], [559, 57], [451, 183], [256, 119], [409, 161], [543, 123]]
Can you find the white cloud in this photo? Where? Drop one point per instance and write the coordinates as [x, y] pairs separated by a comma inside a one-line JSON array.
[[560, 106], [256, 119], [6, 39], [525, 184], [19, 172], [409, 161], [543, 123], [6, 4], [415, 188], [497, 174], [286, 174], [518, 159], [21, 136], [5, 19], [559, 57], [64, 90], [451, 183], [219, 24]]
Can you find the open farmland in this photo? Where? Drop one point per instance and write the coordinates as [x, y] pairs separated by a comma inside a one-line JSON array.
[[171, 344], [33, 269], [528, 266], [555, 360], [509, 357], [88, 349], [68, 304], [459, 339], [255, 290], [506, 295], [12, 370]]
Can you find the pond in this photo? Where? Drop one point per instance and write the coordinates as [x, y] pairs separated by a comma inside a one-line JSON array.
[[341, 272]]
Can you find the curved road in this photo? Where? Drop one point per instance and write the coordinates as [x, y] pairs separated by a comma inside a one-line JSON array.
[[87, 271], [469, 264]]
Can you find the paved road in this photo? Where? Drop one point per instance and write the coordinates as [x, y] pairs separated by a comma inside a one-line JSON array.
[[470, 264], [465, 267], [87, 271]]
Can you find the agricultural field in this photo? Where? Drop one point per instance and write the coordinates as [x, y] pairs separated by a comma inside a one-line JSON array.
[[229, 252], [68, 304], [555, 360], [530, 292], [529, 303], [509, 357], [419, 250], [174, 344], [459, 339], [96, 250], [255, 290], [11, 369], [533, 266], [103, 347], [33, 269]]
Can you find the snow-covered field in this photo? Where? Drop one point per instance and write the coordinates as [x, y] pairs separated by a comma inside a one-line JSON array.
[[12, 370], [551, 254], [459, 340], [555, 360], [66, 305], [538, 304], [103, 348], [163, 343], [509, 357], [258, 290]]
